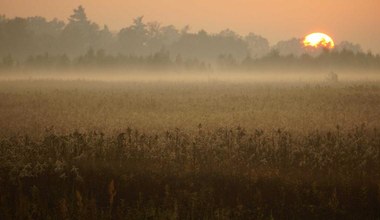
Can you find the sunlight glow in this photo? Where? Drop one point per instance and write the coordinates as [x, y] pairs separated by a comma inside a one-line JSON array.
[[317, 40]]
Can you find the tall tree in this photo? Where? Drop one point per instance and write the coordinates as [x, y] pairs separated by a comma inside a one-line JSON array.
[[258, 45], [133, 39], [45, 34], [80, 33], [15, 38]]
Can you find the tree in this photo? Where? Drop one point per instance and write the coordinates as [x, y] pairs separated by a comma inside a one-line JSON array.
[[45, 34], [79, 16], [80, 33], [133, 39], [15, 37], [105, 39], [258, 45], [293, 46], [227, 33], [208, 47], [227, 61], [8, 61], [169, 34], [345, 45]]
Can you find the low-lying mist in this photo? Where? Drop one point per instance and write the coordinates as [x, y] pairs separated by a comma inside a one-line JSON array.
[[267, 76]]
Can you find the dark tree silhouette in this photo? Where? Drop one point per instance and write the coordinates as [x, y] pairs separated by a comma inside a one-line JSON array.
[[37, 42], [80, 33], [133, 39]]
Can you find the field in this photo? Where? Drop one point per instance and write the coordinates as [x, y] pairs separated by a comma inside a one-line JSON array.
[[189, 149]]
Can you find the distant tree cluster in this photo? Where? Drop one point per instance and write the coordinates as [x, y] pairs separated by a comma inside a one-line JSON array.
[[336, 59], [99, 59], [37, 42], [22, 37]]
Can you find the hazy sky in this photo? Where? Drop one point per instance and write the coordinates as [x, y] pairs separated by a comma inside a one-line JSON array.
[[353, 20]]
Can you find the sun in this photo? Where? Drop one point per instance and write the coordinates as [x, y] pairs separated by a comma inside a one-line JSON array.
[[318, 40]]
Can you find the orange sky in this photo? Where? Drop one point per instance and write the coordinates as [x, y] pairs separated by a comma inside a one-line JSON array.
[[354, 20]]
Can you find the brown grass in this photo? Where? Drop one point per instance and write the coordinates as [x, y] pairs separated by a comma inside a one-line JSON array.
[[217, 150]]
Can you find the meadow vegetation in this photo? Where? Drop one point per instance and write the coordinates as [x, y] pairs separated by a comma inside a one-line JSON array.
[[75, 149]]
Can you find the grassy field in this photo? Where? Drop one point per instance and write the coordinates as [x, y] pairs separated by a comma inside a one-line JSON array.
[[29, 107], [80, 149]]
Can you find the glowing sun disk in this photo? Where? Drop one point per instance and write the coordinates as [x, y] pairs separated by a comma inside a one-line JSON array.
[[318, 40]]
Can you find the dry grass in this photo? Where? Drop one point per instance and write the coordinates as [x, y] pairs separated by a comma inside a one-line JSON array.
[[189, 150], [29, 107]]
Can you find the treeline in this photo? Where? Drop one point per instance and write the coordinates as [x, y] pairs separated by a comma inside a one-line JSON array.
[[39, 43], [22, 37], [99, 59], [162, 60], [326, 60]]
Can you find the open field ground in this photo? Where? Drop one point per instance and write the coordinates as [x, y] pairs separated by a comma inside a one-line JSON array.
[[174, 148], [157, 104]]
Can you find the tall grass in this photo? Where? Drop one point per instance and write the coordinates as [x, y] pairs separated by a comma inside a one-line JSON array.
[[30, 107], [223, 173], [92, 150]]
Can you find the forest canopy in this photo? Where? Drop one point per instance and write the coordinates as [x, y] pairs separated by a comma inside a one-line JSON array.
[[40, 43]]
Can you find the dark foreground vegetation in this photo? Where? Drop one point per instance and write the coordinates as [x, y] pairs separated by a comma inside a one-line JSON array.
[[225, 173]]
